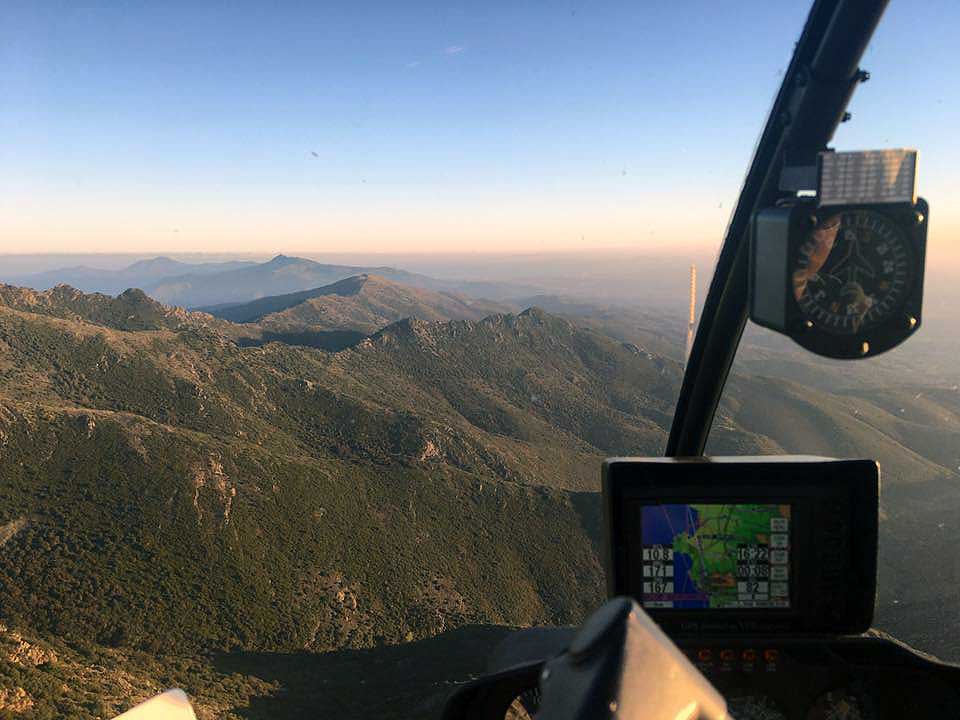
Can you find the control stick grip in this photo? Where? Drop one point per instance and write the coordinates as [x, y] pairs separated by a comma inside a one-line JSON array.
[[621, 665]]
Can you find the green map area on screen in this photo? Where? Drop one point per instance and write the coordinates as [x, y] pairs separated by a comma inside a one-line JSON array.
[[703, 555]]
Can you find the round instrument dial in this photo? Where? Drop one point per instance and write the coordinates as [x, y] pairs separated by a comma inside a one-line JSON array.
[[854, 271], [524, 706]]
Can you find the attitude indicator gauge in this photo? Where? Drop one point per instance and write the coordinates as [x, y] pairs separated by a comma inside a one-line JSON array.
[[841, 271], [854, 271]]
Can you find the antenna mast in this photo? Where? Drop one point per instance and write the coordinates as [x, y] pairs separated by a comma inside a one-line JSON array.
[[692, 324]]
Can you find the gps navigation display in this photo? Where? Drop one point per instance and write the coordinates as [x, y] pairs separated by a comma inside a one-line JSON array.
[[716, 556], [724, 545]]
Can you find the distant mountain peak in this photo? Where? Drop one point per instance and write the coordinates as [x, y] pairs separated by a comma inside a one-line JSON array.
[[410, 330], [354, 285], [284, 260], [411, 324], [61, 290], [136, 295], [161, 263], [535, 313], [541, 318]]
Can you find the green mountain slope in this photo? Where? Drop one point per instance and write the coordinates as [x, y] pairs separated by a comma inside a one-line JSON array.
[[337, 316], [803, 420], [132, 534], [167, 490], [187, 489], [131, 310], [363, 303]]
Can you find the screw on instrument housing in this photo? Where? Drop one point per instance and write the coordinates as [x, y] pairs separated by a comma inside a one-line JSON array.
[[911, 322], [919, 218], [613, 706], [865, 348], [812, 220], [545, 674], [808, 324]]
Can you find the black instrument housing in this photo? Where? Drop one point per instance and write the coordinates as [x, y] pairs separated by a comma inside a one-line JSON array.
[[775, 237], [833, 536]]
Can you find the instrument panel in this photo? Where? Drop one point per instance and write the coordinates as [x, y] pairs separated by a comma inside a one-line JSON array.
[[762, 570], [771, 677], [857, 678]]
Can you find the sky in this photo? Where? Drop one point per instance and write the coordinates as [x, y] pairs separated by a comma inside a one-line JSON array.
[[424, 127]]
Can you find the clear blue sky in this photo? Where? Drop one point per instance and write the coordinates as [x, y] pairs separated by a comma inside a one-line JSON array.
[[193, 125]]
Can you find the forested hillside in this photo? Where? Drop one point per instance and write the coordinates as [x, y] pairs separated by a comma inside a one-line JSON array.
[[170, 493]]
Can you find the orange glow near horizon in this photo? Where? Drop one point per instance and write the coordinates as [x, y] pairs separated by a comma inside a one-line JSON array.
[[494, 226], [482, 223]]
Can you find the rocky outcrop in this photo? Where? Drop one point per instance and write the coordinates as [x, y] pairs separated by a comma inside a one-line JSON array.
[[15, 700], [25, 653], [336, 609], [437, 608], [9, 529]]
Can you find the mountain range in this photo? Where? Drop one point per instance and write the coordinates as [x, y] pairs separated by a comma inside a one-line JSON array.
[[363, 303], [140, 274], [194, 285], [256, 509], [189, 495]]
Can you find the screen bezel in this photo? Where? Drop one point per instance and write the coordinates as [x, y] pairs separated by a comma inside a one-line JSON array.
[[807, 484]]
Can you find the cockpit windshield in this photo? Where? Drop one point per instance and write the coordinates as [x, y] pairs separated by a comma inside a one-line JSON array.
[[317, 323]]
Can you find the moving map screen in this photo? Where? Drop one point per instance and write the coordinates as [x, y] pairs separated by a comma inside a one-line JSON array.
[[715, 556]]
